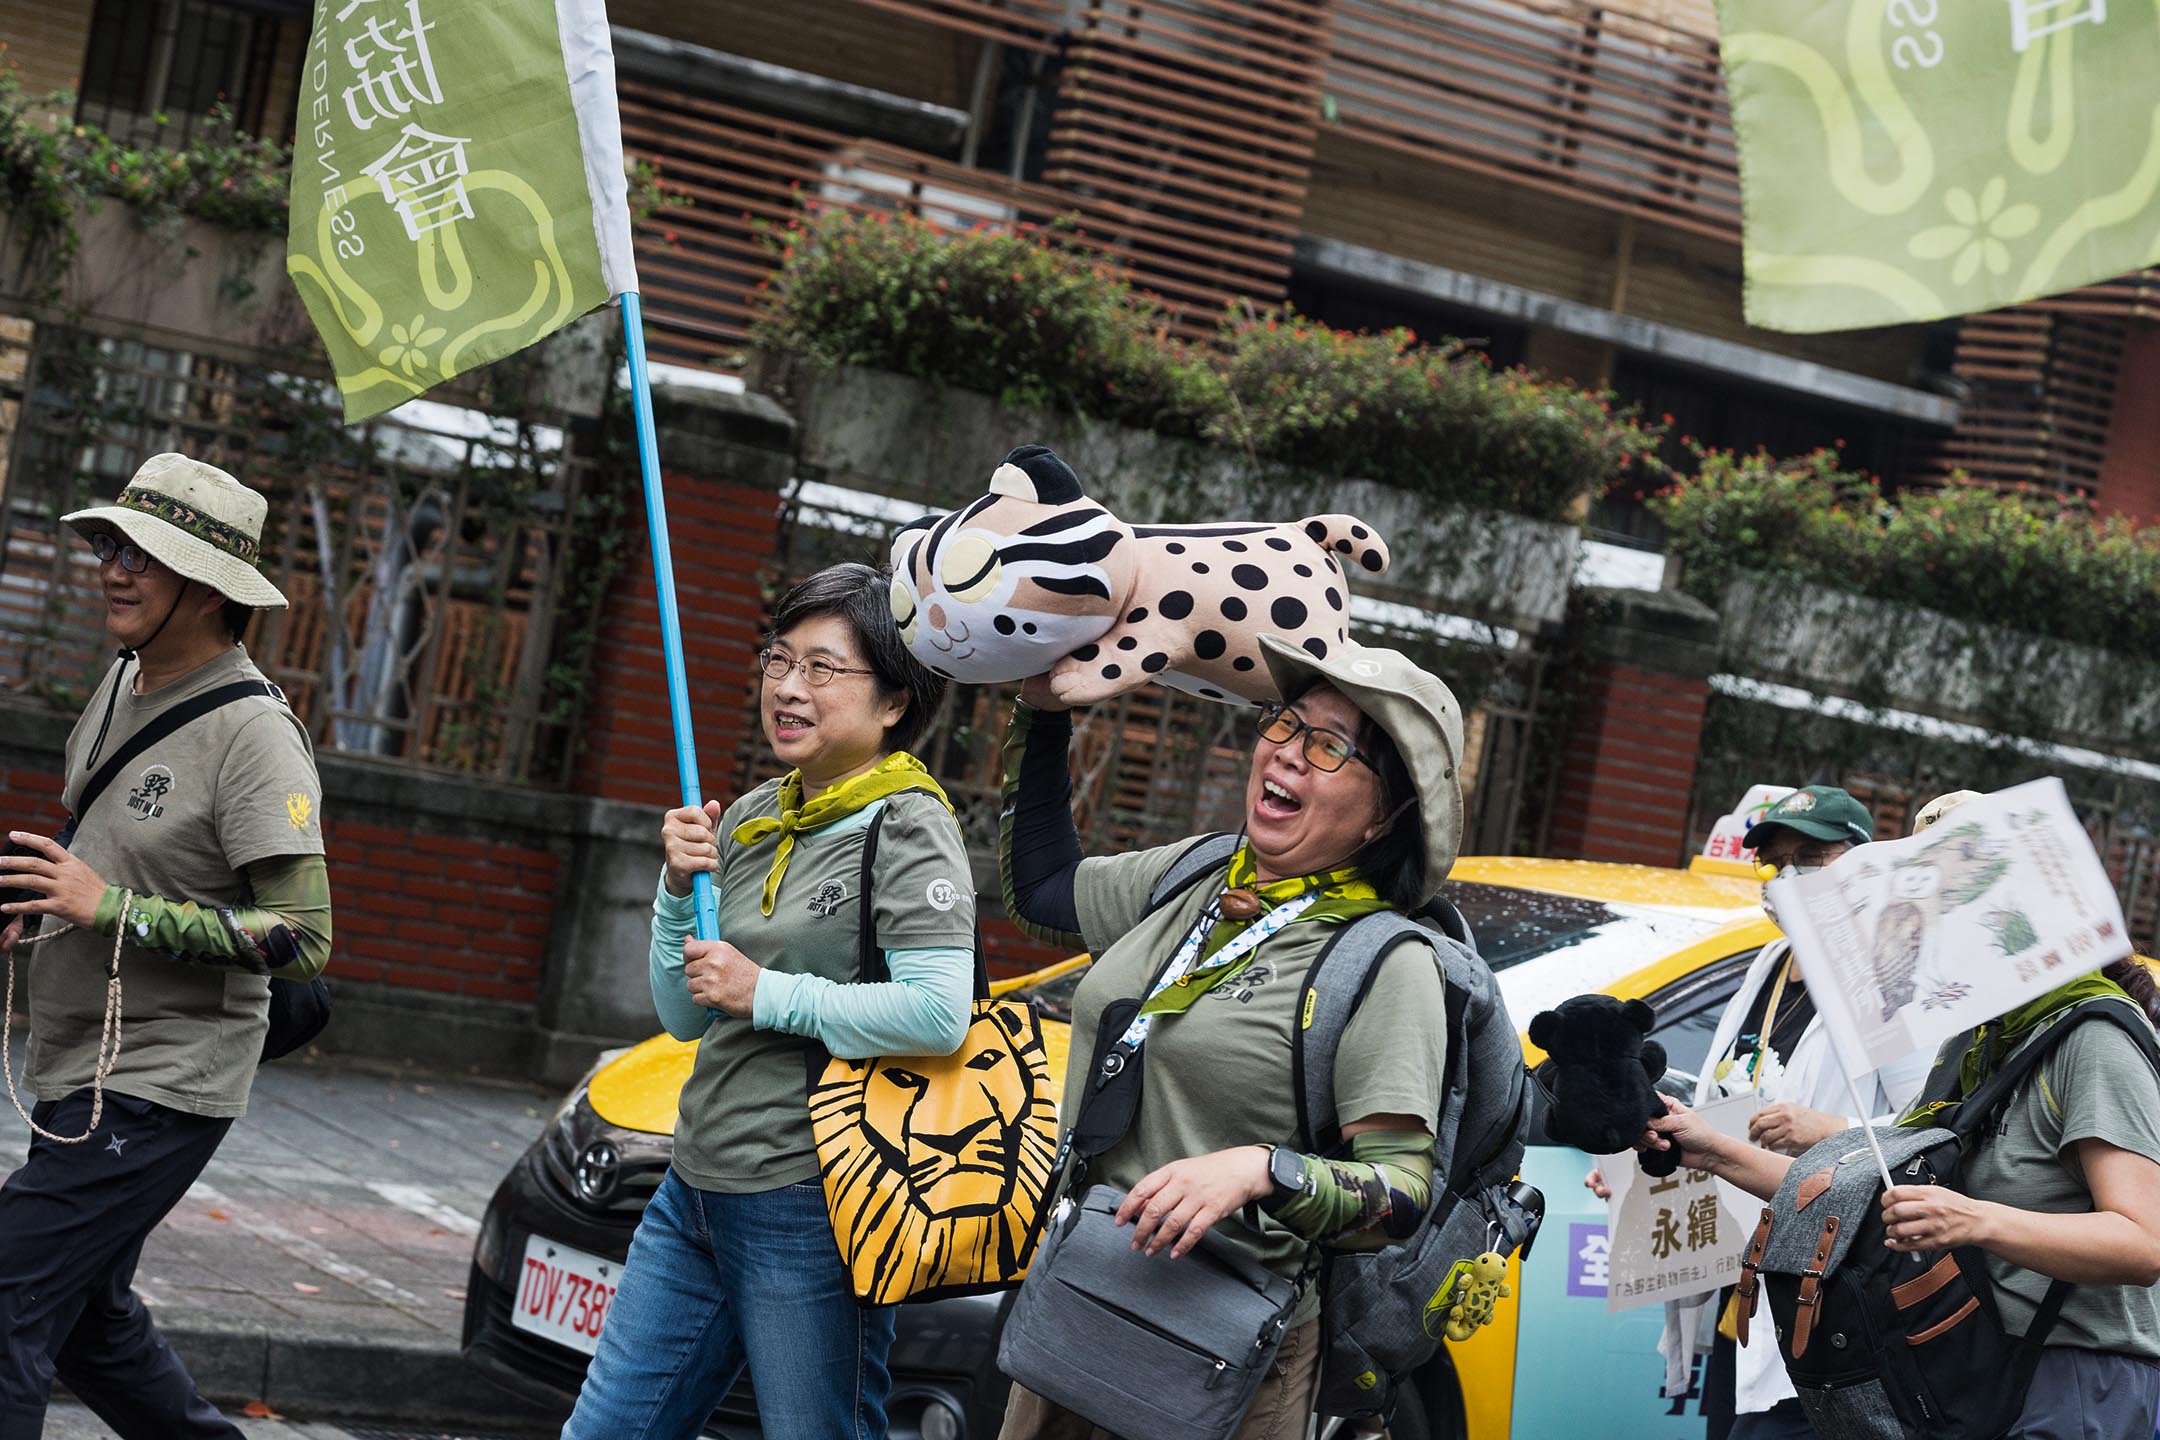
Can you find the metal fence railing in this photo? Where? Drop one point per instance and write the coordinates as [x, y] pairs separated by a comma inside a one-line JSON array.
[[445, 565]]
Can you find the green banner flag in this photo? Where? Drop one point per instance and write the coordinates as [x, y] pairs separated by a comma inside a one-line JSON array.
[[458, 188], [1905, 160]]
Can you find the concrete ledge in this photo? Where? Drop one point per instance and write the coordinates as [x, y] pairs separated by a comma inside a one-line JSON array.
[[382, 1376], [1661, 630], [495, 1037]]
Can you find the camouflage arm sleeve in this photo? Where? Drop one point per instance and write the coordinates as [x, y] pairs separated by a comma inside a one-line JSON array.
[[1375, 1196], [284, 931]]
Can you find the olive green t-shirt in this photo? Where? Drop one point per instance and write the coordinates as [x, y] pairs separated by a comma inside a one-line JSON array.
[[745, 1122], [181, 821], [2096, 1086], [1219, 1075]]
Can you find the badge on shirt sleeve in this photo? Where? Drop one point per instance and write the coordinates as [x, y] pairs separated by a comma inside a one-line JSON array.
[[299, 809], [942, 894]]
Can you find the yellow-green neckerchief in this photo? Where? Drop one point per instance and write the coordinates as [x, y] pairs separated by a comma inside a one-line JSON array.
[[2000, 1036], [898, 772], [1343, 895]]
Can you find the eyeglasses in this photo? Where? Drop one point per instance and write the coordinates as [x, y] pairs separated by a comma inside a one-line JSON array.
[[1325, 750], [817, 669], [133, 558], [1813, 856]]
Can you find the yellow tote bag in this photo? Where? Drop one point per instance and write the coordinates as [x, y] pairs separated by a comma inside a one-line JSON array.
[[935, 1167]]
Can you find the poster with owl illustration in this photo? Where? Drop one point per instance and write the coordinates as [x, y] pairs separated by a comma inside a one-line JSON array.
[[1908, 942]]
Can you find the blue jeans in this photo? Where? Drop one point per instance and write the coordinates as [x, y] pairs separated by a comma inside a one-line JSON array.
[[716, 1281]]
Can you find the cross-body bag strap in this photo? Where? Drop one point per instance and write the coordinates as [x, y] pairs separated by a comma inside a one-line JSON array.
[[158, 728], [108, 1055]]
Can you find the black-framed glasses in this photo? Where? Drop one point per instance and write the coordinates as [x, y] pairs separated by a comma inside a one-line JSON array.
[[817, 669], [133, 558], [1325, 750], [1807, 856]]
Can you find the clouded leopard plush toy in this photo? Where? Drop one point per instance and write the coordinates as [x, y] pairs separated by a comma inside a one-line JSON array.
[[1034, 577]]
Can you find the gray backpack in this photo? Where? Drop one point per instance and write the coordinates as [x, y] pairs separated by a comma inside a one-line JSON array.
[[1383, 1312]]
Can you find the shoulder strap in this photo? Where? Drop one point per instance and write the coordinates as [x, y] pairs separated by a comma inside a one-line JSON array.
[[1203, 857], [164, 725], [870, 963], [1335, 985], [1971, 1115]]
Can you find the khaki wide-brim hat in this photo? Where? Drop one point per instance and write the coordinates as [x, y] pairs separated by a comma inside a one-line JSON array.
[[1418, 712], [196, 521]]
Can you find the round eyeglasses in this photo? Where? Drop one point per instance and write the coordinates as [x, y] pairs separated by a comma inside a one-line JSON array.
[[133, 558], [817, 669], [1325, 750]]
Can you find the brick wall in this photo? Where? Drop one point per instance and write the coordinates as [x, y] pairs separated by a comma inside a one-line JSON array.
[[724, 538], [1634, 733], [1629, 771], [439, 912]]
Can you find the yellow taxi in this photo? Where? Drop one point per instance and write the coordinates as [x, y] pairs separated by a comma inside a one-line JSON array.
[[1553, 1363]]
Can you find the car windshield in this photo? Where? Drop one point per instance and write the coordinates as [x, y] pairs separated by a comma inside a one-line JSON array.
[[1592, 941]]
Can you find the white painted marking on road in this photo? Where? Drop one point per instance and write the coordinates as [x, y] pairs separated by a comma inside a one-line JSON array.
[[427, 1207], [300, 1248]]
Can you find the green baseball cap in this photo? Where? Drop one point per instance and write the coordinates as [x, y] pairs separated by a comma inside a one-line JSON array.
[[1820, 812]]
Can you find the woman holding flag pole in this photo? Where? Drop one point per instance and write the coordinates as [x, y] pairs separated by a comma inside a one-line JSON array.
[[2065, 1188], [735, 1262]]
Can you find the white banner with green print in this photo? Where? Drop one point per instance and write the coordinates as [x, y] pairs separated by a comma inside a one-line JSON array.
[[1904, 160], [458, 188], [1908, 942]]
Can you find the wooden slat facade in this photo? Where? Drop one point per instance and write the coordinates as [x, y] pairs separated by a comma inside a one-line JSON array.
[[1187, 127], [1195, 140], [2043, 393]]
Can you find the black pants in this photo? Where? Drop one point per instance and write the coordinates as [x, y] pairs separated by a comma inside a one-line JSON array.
[[72, 1224]]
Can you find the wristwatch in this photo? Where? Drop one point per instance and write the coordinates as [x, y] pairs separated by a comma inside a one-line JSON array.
[[1288, 1176]]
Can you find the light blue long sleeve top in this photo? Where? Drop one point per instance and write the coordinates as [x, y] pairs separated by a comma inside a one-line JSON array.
[[922, 1010]]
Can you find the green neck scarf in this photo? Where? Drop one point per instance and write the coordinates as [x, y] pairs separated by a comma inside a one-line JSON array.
[[899, 771], [1344, 895], [2003, 1034]]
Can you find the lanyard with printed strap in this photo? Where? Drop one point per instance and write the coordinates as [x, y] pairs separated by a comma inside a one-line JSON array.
[[1184, 966]]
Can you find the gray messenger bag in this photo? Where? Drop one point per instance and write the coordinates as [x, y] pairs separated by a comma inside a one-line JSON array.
[[1149, 1348]]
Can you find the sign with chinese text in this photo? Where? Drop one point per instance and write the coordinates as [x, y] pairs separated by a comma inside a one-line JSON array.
[[1728, 837], [458, 188], [1908, 942], [1676, 1237], [1904, 160]]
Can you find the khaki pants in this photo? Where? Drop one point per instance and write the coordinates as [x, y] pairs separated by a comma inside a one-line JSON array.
[[1279, 1410]]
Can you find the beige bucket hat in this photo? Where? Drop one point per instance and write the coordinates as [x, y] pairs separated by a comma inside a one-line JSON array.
[[1418, 712], [196, 521], [1940, 806]]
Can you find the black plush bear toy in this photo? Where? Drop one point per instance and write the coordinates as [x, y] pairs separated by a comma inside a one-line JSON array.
[[1603, 1076]]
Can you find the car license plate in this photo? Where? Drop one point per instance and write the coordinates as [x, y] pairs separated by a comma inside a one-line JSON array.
[[564, 1294]]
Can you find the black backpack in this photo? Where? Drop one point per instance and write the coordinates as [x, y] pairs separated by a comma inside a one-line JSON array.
[[1884, 1343]]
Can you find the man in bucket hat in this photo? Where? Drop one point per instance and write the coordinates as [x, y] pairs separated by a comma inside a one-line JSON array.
[[197, 873]]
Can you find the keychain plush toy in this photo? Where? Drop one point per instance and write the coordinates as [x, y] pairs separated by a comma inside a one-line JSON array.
[[1036, 578]]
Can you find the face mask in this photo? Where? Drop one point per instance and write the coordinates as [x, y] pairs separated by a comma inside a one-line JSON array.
[[1789, 872]]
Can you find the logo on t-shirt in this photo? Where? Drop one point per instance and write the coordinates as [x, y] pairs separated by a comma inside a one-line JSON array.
[[298, 808], [942, 895], [147, 800], [829, 898]]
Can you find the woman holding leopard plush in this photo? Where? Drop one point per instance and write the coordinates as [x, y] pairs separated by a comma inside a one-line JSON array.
[[1351, 806]]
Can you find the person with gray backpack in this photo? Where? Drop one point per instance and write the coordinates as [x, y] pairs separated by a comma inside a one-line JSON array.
[[1297, 1104], [2004, 1286]]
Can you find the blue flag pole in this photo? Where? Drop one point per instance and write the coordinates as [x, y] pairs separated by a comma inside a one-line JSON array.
[[663, 560]]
